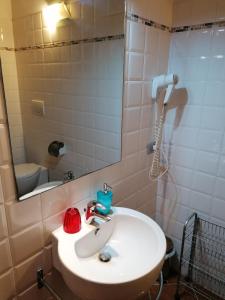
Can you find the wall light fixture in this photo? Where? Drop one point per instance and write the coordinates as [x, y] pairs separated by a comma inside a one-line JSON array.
[[53, 13]]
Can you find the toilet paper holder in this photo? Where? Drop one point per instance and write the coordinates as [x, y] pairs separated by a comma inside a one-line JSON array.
[[57, 148]]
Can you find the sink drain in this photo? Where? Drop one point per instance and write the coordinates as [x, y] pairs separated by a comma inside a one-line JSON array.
[[104, 257]]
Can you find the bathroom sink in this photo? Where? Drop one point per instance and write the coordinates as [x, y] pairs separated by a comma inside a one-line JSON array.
[[118, 260]]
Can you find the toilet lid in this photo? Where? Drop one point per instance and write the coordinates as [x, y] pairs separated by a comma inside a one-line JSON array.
[[26, 170]]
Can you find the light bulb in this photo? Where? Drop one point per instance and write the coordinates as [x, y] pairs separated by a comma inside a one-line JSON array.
[[53, 14]]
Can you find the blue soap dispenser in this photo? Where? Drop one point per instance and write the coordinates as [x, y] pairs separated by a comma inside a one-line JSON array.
[[105, 199]]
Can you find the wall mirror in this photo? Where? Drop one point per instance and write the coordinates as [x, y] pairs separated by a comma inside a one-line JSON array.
[[65, 117]]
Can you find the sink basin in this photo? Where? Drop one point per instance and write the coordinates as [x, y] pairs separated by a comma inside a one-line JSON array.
[[135, 245]]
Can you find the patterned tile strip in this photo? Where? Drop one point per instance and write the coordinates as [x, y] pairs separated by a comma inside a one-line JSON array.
[[198, 26], [7, 49], [67, 43], [131, 17], [138, 19]]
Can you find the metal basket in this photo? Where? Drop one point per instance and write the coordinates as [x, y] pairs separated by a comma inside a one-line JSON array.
[[202, 260]]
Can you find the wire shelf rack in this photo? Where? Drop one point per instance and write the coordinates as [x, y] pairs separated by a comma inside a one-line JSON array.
[[202, 260]]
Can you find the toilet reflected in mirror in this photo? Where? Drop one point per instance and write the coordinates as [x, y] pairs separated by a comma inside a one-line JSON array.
[[32, 179]]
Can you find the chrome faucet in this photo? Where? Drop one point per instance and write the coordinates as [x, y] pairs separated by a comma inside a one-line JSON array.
[[68, 176], [91, 213]]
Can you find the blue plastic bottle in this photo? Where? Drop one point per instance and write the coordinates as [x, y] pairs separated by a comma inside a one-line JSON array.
[[105, 199]]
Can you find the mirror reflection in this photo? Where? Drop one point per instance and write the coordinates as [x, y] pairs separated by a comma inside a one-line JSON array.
[[65, 114]]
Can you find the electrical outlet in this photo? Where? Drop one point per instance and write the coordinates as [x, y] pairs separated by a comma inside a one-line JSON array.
[[38, 108]]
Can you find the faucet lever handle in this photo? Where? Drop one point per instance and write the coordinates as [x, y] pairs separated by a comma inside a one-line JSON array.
[[99, 205], [90, 210], [91, 206]]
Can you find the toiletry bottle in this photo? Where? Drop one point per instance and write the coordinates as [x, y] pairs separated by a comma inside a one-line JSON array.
[[105, 199]]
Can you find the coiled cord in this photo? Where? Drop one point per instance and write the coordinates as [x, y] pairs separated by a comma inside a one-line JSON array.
[[157, 170]]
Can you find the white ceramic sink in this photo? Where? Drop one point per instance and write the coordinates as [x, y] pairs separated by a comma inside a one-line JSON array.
[[136, 245]]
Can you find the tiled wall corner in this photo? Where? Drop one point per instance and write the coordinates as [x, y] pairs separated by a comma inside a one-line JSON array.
[[159, 11]]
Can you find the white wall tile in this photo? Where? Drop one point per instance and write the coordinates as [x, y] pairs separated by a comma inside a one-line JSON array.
[[196, 12], [132, 119], [7, 284], [152, 40], [3, 224], [200, 202], [181, 13], [199, 43], [23, 214], [214, 94], [203, 183], [131, 140], [203, 11], [4, 145], [218, 207], [221, 169], [220, 188], [209, 140], [216, 68], [213, 118], [220, 15], [135, 66], [194, 136], [133, 93], [207, 162], [27, 243], [136, 37], [25, 273], [5, 255]]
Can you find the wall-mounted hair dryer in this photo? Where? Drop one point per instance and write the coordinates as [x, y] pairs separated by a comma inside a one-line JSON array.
[[164, 81], [160, 163]]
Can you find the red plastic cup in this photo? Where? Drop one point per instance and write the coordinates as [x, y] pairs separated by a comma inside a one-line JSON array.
[[72, 220]]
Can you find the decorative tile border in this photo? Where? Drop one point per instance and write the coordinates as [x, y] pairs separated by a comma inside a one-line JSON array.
[[131, 17], [7, 49], [138, 19], [198, 26], [67, 43], [150, 23]]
